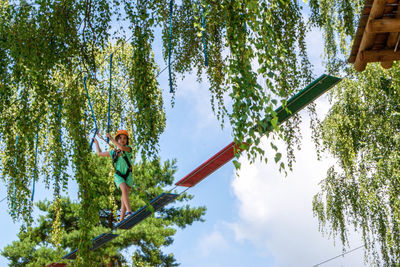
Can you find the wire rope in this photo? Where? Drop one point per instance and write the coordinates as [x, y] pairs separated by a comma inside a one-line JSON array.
[[91, 108], [171, 5], [204, 37], [35, 170], [15, 163], [109, 98], [341, 255]]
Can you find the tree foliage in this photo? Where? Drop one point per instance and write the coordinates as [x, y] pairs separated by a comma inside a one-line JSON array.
[[48, 46], [362, 132], [256, 57], [362, 190], [36, 246], [338, 20]]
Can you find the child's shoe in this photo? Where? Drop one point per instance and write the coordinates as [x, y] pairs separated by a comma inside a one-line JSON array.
[[128, 214]]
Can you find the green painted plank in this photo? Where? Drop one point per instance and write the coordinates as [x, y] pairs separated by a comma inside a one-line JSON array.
[[307, 95], [303, 98]]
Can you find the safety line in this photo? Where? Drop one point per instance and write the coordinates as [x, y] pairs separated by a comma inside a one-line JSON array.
[[15, 163], [341, 255], [35, 170], [60, 125], [91, 108], [109, 97], [57, 184], [204, 37], [171, 4]]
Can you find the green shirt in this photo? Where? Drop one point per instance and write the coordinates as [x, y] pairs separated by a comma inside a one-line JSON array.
[[121, 165]]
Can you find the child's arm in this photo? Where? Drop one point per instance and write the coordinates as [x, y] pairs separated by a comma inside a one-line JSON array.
[[101, 154], [122, 148]]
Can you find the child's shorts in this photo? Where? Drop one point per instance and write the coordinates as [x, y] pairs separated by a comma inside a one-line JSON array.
[[119, 180]]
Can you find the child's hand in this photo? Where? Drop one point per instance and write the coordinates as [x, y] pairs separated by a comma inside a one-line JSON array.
[[108, 135], [95, 140]]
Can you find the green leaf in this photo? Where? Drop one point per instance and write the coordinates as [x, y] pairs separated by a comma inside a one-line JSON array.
[[278, 157], [274, 147], [237, 164]]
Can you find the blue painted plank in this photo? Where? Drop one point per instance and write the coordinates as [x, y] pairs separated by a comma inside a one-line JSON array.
[[97, 242], [158, 203], [141, 214]]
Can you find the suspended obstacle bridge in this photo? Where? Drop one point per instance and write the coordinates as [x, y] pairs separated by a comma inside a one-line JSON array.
[[294, 105]]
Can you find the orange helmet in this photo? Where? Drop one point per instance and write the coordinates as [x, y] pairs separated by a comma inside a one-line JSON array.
[[125, 132]]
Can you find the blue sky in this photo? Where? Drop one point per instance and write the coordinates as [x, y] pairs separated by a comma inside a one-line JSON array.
[[261, 218]]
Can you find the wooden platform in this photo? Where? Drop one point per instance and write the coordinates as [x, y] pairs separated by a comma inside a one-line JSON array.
[[377, 37]]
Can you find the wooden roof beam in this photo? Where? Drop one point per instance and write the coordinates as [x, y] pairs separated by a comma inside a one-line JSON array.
[[391, 43], [388, 4], [383, 25], [367, 41], [379, 55]]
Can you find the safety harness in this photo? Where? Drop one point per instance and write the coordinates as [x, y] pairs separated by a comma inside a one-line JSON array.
[[125, 157]]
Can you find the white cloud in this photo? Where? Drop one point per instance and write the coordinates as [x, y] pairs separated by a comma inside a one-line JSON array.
[[275, 212], [214, 242]]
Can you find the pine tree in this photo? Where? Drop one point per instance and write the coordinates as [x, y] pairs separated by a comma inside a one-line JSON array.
[[36, 245]]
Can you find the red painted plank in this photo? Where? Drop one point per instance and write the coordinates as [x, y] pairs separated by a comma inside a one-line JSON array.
[[210, 166], [294, 104]]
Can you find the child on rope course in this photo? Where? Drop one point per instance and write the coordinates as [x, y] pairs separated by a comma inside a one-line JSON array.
[[121, 157]]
